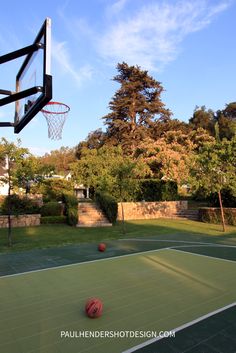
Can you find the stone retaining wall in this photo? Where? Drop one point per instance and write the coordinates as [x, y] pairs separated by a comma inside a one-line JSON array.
[[21, 221], [151, 210]]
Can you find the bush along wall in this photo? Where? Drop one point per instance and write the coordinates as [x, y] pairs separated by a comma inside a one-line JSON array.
[[71, 209], [19, 205], [158, 190], [52, 208], [108, 205], [213, 215]]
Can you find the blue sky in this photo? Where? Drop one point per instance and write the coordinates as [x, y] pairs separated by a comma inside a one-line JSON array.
[[188, 46]]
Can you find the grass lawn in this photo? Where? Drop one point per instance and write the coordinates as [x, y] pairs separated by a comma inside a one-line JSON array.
[[45, 236]]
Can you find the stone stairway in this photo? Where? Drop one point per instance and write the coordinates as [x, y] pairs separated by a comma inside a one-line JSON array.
[[90, 215], [187, 214]]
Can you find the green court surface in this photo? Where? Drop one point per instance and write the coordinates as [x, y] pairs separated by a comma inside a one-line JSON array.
[[154, 291]]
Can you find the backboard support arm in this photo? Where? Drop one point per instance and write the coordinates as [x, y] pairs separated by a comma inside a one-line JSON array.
[[6, 92], [21, 52], [19, 95]]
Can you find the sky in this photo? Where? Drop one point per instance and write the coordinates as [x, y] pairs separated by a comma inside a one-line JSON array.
[[188, 46]]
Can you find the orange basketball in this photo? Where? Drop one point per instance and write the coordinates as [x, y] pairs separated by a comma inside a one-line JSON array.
[[102, 247], [94, 307]]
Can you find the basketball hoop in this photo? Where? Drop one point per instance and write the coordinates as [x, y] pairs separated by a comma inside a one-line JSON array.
[[55, 114]]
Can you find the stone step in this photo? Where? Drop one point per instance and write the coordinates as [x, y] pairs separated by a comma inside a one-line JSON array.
[[90, 215], [185, 216], [95, 218], [94, 224], [193, 212]]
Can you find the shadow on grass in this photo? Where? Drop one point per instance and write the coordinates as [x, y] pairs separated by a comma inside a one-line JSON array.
[[46, 236]]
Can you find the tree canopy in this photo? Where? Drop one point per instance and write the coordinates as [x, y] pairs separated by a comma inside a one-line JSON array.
[[135, 107]]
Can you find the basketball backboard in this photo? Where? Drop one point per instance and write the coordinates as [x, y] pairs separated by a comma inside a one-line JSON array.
[[33, 81]]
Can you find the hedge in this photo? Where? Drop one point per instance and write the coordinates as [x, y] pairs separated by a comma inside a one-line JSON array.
[[71, 208], [158, 190], [19, 205], [52, 208], [213, 215], [53, 219], [108, 205]]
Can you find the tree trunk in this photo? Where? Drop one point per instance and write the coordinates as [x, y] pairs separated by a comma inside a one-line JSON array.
[[222, 211]]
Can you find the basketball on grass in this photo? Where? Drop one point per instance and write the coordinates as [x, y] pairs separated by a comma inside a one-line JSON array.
[[102, 247], [93, 307]]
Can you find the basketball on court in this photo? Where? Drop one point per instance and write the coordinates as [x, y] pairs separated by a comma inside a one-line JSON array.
[[94, 307], [102, 247]]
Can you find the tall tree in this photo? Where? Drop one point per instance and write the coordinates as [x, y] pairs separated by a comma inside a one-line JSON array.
[[95, 139], [60, 159], [215, 169], [13, 154], [203, 118], [169, 157], [226, 120], [135, 107]]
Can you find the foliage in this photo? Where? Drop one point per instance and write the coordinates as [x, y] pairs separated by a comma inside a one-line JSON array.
[[168, 157], [51, 208], [72, 216], [94, 140], [213, 215], [53, 189], [228, 198], [19, 205], [59, 160], [13, 154], [95, 165], [30, 172], [53, 219], [220, 124], [135, 107], [226, 119], [215, 167], [158, 190], [71, 208], [108, 204], [203, 118], [126, 183]]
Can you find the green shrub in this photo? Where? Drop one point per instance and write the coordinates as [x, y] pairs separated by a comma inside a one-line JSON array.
[[213, 215], [108, 205], [52, 208], [72, 216], [53, 219], [158, 190], [169, 190], [70, 199], [71, 208], [228, 199], [53, 189], [19, 205]]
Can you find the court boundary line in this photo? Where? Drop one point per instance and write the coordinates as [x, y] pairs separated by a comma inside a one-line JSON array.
[[136, 253], [84, 262], [179, 241], [193, 253], [180, 328]]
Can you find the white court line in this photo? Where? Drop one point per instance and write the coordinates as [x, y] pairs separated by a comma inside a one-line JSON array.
[[182, 327], [178, 241], [136, 253], [210, 257], [85, 262]]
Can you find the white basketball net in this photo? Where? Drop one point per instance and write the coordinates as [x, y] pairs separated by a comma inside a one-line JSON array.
[[55, 114]]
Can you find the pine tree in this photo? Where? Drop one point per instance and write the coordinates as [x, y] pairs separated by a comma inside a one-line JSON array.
[[135, 108]]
